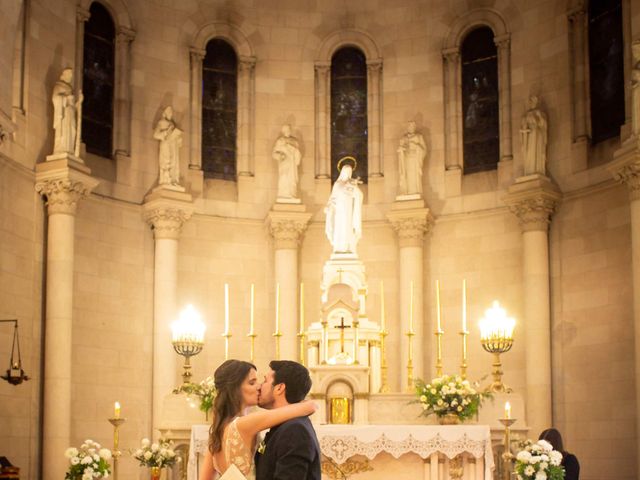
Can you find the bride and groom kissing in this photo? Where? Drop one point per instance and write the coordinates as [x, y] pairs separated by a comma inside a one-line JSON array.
[[289, 450]]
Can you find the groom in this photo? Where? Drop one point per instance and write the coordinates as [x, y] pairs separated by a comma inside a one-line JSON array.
[[291, 449]]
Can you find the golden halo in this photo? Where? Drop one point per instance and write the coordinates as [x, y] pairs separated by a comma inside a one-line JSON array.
[[345, 159]]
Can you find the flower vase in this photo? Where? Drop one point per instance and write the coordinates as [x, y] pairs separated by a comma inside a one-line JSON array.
[[155, 473], [449, 419]]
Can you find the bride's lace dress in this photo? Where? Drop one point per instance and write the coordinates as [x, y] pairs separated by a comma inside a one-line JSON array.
[[237, 453]]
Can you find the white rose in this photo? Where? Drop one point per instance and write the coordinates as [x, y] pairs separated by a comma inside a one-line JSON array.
[[75, 461], [541, 475], [555, 458], [105, 453], [147, 455], [535, 459], [546, 446], [523, 456], [163, 452], [86, 460], [139, 453], [155, 447], [544, 457], [529, 470], [71, 452], [96, 457], [87, 476], [88, 470], [544, 466], [145, 442]]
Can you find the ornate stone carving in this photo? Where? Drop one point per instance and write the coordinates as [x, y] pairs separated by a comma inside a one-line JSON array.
[[62, 194], [287, 232], [3, 134], [167, 221], [411, 229], [197, 54], [125, 35], [629, 174], [534, 213]]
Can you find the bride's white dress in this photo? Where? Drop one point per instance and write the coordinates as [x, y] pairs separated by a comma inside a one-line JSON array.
[[238, 456]]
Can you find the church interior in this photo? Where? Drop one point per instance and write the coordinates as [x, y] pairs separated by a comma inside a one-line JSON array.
[[351, 185]]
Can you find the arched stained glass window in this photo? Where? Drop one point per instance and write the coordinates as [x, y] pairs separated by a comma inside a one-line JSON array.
[[219, 110], [606, 69], [98, 75], [349, 110], [480, 101]]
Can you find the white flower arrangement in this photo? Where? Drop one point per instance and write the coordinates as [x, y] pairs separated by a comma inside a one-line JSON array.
[[449, 395], [160, 454], [88, 462], [539, 461], [205, 391]]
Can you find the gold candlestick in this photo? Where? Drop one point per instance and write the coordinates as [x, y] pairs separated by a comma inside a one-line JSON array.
[[302, 338], [384, 388], [463, 365], [410, 386], [226, 336], [507, 456], [252, 337], [277, 336], [116, 422], [438, 335]]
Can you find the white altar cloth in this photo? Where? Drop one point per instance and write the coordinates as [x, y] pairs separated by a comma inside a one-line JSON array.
[[340, 442]]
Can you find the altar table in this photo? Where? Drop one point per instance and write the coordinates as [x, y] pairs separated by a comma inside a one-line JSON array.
[[436, 445]]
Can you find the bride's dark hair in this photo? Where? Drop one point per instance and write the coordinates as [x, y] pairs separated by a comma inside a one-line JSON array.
[[228, 378]]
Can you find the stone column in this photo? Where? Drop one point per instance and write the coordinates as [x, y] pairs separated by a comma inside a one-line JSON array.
[[122, 92], [287, 225], [165, 211], [504, 74], [374, 74], [533, 200], [323, 112], [453, 122], [62, 183], [626, 169], [82, 15], [411, 221], [246, 67], [195, 156]]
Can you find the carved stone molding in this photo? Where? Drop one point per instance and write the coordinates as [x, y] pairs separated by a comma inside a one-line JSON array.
[[62, 194], [411, 226], [167, 221], [534, 213], [288, 229], [125, 35], [533, 200], [627, 171]]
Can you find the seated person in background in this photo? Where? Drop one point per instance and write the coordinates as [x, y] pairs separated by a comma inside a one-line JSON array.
[[569, 461]]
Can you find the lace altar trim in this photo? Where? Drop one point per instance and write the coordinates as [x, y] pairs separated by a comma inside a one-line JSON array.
[[341, 448]]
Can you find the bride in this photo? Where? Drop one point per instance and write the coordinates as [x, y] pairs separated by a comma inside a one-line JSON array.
[[232, 436]]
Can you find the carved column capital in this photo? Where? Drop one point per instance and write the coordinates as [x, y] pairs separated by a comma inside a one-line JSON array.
[[125, 35], [322, 68], [62, 194], [451, 55], [197, 54], [626, 168], [502, 41], [246, 64], [167, 221], [82, 14], [374, 67], [411, 226], [287, 229], [533, 200]]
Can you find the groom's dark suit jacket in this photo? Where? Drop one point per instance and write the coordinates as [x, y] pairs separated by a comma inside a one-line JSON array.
[[291, 452]]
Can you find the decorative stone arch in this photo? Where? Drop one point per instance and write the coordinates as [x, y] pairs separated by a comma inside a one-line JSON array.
[[328, 46], [246, 96], [125, 34], [453, 91]]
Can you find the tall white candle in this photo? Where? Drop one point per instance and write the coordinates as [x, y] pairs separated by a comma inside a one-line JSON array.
[[277, 308], [226, 308], [438, 305], [116, 410], [251, 317], [411, 307], [464, 305], [382, 319], [301, 307]]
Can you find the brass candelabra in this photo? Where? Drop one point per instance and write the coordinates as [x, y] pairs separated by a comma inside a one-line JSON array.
[[438, 333], [227, 336], [496, 337], [277, 336], [116, 422], [384, 388], [507, 456], [252, 337], [410, 385], [302, 339], [188, 338], [187, 348]]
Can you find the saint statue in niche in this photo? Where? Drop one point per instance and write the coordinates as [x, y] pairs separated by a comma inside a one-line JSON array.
[[170, 142], [65, 118], [411, 154], [344, 210], [286, 152], [533, 133]]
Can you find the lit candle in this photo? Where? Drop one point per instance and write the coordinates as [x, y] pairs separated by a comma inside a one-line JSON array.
[[411, 307], [382, 320], [438, 305], [251, 317], [226, 308], [464, 306], [277, 308], [507, 410], [301, 307], [116, 410]]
